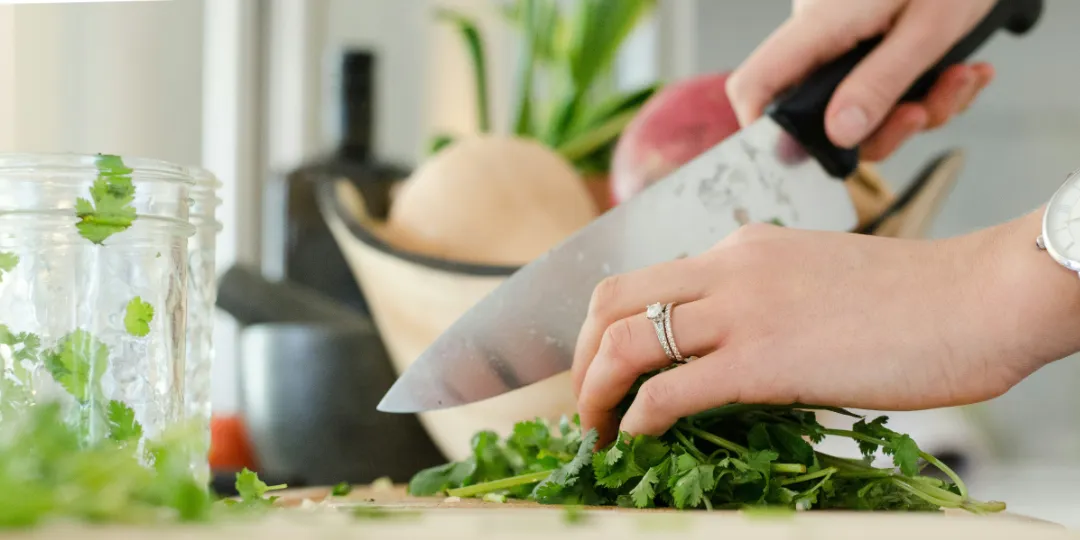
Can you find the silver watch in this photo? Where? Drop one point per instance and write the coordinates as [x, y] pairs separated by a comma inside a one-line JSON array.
[[1061, 224]]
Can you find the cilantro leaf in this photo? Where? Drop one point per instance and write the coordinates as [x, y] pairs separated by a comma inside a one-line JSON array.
[[438, 479], [645, 490], [110, 208], [122, 424], [906, 455], [137, 317], [252, 490], [8, 262], [77, 362], [557, 485], [341, 489]]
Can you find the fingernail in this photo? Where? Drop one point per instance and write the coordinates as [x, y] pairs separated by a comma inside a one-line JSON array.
[[849, 125]]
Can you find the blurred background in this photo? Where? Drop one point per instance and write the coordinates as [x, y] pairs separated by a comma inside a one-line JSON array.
[[301, 105]]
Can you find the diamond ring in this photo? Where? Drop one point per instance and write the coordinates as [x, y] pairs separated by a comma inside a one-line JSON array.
[[657, 314], [675, 354]]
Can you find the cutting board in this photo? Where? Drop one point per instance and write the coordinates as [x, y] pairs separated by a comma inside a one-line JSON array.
[[409, 518]]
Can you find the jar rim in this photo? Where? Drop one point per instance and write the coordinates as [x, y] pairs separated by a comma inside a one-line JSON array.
[[148, 169], [204, 178]]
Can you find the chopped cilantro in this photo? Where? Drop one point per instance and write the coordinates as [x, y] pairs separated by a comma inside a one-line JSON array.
[[252, 491], [122, 424], [137, 317], [110, 208], [8, 262], [340, 490], [738, 456]]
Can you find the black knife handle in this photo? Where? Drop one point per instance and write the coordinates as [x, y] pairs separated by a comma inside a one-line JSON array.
[[801, 110]]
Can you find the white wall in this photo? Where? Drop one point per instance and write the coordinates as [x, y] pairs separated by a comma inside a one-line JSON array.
[[110, 77]]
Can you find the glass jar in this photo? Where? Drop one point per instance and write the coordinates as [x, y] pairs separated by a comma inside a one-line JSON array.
[[202, 295], [93, 296]]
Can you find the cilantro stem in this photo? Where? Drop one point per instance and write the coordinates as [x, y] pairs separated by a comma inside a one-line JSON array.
[[885, 444], [788, 468], [496, 485], [809, 476], [784, 468], [719, 441], [690, 446], [903, 484]]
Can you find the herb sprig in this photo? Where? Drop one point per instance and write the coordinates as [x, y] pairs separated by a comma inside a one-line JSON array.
[[735, 457]]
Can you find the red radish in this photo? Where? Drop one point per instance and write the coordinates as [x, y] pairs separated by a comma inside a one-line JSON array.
[[673, 127]]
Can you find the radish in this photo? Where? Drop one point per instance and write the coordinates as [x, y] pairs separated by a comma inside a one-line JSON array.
[[673, 127]]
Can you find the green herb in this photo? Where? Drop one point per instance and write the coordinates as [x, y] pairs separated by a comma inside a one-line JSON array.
[[137, 317], [737, 456], [122, 424], [8, 262], [77, 362], [341, 490], [253, 491], [110, 208], [776, 221]]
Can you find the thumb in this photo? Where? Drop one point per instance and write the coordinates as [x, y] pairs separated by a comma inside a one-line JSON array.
[[921, 36]]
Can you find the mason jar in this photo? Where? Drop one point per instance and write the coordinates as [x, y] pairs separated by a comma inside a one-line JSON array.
[[93, 290], [202, 295]]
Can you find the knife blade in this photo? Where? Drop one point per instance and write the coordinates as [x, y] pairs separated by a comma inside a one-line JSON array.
[[781, 167]]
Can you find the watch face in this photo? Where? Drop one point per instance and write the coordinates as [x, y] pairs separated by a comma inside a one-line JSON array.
[[1061, 226]]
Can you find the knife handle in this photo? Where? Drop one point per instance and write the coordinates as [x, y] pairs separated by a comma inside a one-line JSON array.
[[801, 110]]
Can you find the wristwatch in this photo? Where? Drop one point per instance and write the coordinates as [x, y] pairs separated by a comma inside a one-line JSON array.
[[1061, 224]]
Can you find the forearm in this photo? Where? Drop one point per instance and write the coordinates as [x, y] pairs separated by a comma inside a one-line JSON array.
[[1036, 302]]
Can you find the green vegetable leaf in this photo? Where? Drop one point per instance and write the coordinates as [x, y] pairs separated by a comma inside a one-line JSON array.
[[8, 262], [252, 490], [122, 424], [77, 363], [906, 455], [645, 490], [341, 489], [138, 316], [438, 479], [470, 32], [109, 210], [557, 485]]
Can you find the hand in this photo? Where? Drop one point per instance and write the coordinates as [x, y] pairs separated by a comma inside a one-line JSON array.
[[781, 316], [863, 109]]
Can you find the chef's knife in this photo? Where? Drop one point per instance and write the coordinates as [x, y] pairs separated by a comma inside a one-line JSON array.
[[780, 168]]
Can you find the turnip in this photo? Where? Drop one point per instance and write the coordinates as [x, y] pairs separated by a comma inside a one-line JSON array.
[[491, 200], [673, 127]]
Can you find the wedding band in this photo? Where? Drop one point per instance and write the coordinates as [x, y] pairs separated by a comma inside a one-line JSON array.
[[675, 354], [655, 313]]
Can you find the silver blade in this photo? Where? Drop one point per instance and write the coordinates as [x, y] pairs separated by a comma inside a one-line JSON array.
[[526, 329]]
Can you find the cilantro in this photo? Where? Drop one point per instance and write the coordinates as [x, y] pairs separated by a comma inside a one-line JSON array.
[[252, 491], [122, 424], [340, 490], [137, 317], [110, 209], [77, 363], [736, 456], [8, 262]]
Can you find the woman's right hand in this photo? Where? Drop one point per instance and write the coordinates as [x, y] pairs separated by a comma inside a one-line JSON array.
[[863, 110]]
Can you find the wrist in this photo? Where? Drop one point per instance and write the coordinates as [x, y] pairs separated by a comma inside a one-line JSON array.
[[1036, 301]]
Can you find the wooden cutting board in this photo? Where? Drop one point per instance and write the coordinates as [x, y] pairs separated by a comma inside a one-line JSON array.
[[401, 517]]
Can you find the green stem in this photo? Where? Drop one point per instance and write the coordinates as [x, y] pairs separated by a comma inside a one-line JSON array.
[[580, 146], [927, 457], [719, 441], [809, 476], [948, 472], [788, 468], [923, 495], [690, 446], [496, 485]]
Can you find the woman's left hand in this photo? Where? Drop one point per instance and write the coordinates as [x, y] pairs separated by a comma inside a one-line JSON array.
[[779, 316]]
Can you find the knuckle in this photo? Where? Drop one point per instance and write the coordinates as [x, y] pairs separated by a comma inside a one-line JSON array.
[[604, 298], [654, 397], [618, 341]]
